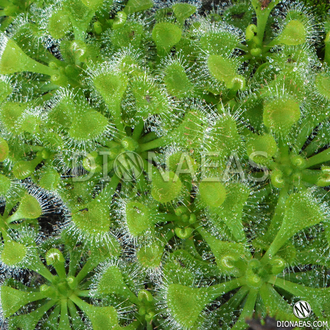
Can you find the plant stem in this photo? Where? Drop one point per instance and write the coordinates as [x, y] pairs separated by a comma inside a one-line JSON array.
[[154, 144], [311, 176], [247, 311], [88, 267], [288, 286], [321, 157], [277, 218], [302, 136], [64, 319], [82, 293], [37, 266], [222, 288], [138, 129], [149, 326], [278, 242], [110, 189], [75, 256]]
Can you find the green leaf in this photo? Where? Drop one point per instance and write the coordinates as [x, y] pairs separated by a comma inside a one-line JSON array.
[[13, 60], [280, 114], [261, 148], [301, 211], [226, 311], [165, 35], [166, 186], [231, 258], [100, 317], [275, 305], [29, 321], [50, 179], [224, 70], [177, 81], [29, 208], [186, 304], [130, 34], [322, 84], [138, 218], [111, 281], [88, 126], [10, 114], [59, 24], [94, 219], [134, 6], [212, 192], [12, 300], [111, 86], [149, 98], [182, 11], [191, 130], [5, 184], [5, 90], [294, 33], [149, 256], [219, 42], [231, 211], [318, 298], [247, 311], [13, 253]]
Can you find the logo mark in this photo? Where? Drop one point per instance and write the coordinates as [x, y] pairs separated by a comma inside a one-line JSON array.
[[128, 165], [302, 309]]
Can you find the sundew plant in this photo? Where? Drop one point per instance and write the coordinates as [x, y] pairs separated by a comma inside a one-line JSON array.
[[164, 164]]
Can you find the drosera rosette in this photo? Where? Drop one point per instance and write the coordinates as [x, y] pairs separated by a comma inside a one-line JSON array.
[[255, 276], [283, 154], [189, 160], [66, 290], [184, 294]]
